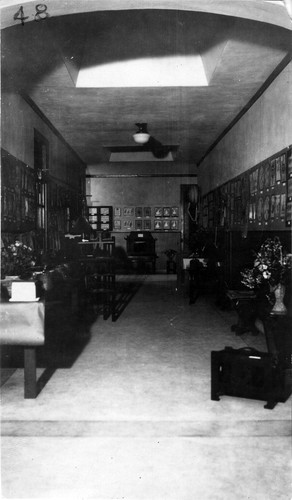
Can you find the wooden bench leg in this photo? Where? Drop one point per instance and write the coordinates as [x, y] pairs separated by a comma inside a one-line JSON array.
[[30, 382]]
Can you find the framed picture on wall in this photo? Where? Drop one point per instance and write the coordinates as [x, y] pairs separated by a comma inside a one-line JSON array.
[[260, 209], [117, 224], [277, 205], [261, 177], [273, 206], [157, 225], [289, 189], [174, 224], [128, 224], [283, 206], [158, 212], [250, 212], [273, 173], [138, 224], [117, 211], [266, 208], [255, 179], [147, 211], [166, 224], [138, 212], [251, 184], [267, 175], [166, 211], [289, 163], [283, 168], [174, 212], [278, 169], [289, 213], [128, 211], [147, 225]]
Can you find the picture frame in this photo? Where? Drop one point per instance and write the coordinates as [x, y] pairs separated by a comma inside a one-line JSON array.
[[166, 211], [174, 212], [138, 224], [273, 173], [128, 224], [277, 205], [117, 212], [283, 168], [289, 213], [250, 212], [260, 209], [278, 169], [147, 211], [267, 175], [283, 206], [117, 224], [289, 189], [128, 212], [251, 184], [289, 164], [138, 212], [273, 206], [266, 208], [255, 180], [147, 225], [158, 211], [166, 224], [158, 225], [261, 177], [174, 224]]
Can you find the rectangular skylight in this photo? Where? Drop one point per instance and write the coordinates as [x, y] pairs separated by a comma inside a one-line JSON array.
[[169, 71]]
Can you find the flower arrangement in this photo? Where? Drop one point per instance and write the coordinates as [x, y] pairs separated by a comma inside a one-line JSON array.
[[271, 266], [16, 259]]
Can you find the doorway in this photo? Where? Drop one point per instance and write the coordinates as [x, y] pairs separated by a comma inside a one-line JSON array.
[[189, 194]]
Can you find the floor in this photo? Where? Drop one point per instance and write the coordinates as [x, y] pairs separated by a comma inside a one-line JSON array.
[[124, 410]]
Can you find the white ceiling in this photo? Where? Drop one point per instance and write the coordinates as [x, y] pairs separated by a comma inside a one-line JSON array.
[[44, 60]]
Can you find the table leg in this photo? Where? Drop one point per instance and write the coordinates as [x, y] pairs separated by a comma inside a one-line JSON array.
[[30, 383]]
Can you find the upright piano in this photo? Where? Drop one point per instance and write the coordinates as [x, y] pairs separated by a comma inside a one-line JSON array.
[[141, 250]]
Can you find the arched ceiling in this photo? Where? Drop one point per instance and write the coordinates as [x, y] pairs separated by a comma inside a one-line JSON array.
[[45, 60]]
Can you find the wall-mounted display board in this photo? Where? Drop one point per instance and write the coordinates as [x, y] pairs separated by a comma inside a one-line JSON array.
[[100, 218], [258, 199], [145, 218], [18, 212], [22, 200], [63, 207]]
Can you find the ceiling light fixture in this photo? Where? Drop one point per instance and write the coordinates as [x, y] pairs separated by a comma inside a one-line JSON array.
[[141, 136]]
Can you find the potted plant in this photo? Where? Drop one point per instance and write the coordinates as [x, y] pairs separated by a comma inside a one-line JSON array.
[[17, 260], [270, 272]]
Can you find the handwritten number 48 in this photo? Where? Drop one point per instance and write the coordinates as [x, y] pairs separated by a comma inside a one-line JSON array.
[[40, 15]]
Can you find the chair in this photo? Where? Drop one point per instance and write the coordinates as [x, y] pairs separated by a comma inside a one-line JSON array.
[[99, 277]]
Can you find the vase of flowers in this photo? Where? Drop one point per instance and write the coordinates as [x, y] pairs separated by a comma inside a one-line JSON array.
[[17, 259], [270, 272]]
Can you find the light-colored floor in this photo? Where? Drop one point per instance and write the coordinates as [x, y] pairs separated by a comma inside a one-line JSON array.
[[131, 417]]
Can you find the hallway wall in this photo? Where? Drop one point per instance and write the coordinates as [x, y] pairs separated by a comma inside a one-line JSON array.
[[17, 138], [265, 129]]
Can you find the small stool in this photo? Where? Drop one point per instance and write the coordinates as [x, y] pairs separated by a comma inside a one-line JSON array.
[[170, 266]]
